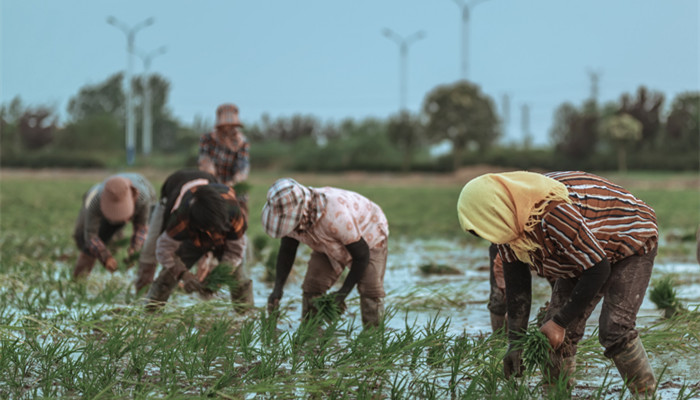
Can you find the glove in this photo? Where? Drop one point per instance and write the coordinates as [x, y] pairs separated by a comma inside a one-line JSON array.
[[273, 301], [191, 282], [512, 363], [111, 264]]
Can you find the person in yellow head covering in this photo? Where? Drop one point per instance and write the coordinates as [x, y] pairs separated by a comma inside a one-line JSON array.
[[594, 237]]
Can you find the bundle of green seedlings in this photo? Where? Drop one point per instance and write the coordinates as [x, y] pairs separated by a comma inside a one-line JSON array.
[[221, 275], [663, 295], [535, 347], [327, 308]]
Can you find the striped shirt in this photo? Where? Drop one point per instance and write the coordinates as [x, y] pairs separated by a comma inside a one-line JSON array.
[[603, 221]]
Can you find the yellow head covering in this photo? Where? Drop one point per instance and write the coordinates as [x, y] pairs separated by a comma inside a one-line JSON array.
[[501, 208]]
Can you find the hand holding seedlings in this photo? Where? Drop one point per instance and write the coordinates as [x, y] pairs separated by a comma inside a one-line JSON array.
[[191, 282], [554, 333], [111, 264]]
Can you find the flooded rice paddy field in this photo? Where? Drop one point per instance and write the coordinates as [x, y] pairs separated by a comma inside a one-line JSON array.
[[458, 301], [416, 299]]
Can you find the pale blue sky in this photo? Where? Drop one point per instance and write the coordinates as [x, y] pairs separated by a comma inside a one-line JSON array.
[[328, 58]]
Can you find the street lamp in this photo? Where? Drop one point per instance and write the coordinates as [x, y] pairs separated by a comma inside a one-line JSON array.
[[465, 7], [147, 134], [403, 44], [130, 33]]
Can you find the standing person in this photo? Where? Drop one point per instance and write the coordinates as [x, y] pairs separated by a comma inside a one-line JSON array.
[[343, 229], [105, 210], [175, 184], [203, 218], [224, 152], [594, 237]]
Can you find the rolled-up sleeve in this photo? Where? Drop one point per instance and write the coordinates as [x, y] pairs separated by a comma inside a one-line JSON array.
[[165, 254], [234, 251]]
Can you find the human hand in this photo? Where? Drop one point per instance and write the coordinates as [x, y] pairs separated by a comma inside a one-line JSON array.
[[111, 264], [554, 333], [339, 300], [512, 363], [191, 283], [273, 301]]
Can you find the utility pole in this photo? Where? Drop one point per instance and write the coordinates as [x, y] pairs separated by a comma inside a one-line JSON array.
[[595, 80], [505, 101], [525, 125], [466, 8], [403, 44], [147, 134], [130, 33]]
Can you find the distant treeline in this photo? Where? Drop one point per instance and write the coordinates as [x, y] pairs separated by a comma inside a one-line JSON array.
[[640, 131]]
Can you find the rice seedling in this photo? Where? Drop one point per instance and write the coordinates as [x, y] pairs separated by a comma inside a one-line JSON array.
[[91, 339], [535, 349], [663, 295], [327, 307], [439, 269], [221, 275]]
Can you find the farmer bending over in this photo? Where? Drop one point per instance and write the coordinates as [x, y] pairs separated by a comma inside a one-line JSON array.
[[594, 237], [105, 209], [344, 229], [174, 184], [203, 218]]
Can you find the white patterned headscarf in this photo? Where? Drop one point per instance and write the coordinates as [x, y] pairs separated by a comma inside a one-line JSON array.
[[291, 206]]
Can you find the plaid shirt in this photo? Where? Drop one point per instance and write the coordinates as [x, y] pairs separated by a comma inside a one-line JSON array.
[[230, 162], [93, 215]]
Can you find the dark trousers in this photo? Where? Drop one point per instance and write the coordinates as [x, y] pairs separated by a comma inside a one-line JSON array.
[[622, 294]]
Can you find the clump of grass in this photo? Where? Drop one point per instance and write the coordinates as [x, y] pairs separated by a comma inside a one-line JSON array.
[[242, 188], [439, 269], [663, 295], [221, 275], [327, 308], [260, 242], [271, 266], [535, 347]]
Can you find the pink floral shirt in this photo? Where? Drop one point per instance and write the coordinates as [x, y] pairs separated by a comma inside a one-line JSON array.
[[347, 218]]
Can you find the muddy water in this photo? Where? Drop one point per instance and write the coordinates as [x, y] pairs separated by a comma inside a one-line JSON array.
[[418, 298], [463, 297]]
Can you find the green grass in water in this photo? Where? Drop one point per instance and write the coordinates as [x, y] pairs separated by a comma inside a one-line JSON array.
[[663, 295], [327, 308], [221, 275], [535, 347], [439, 269]]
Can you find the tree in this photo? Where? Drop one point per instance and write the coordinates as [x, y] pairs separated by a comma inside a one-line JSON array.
[[623, 130], [574, 132], [683, 122], [36, 128], [463, 115], [406, 132], [646, 108], [103, 98], [289, 130]]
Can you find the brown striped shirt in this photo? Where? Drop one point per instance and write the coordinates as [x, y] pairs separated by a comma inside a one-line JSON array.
[[603, 221]]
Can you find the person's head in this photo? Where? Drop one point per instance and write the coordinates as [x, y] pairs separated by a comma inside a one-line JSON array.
[[227, 120], [284, 208], [501, 208], [118, 199], [208, 211]]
